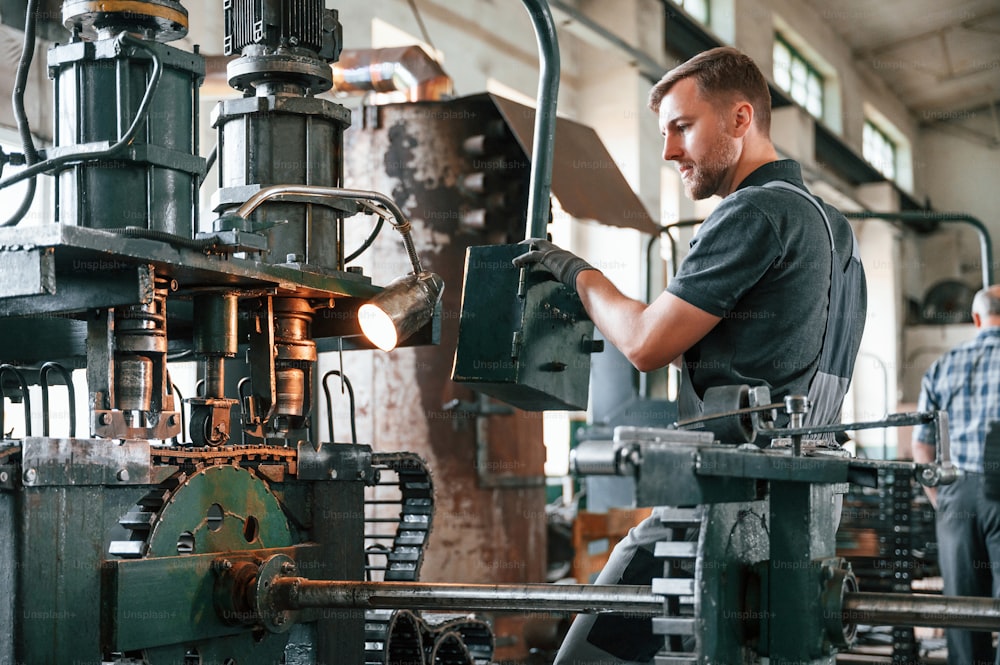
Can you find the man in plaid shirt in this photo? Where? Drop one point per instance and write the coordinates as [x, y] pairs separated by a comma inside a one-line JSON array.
[[965, 383]]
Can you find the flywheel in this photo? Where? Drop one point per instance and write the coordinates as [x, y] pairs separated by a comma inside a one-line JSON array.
[[206, 509]]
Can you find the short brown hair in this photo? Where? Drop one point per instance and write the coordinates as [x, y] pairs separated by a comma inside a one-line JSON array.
[[722, 75]]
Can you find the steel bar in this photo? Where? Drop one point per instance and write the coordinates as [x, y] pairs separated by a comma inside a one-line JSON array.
[[300, 593], [543, 146], [892, 420], [390, 211], [923, 216], [882, 609]]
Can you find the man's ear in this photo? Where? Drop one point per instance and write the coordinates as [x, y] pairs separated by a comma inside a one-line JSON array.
[[978, 320], [742, 119]]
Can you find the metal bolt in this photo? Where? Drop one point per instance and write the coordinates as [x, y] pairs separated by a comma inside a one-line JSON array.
[[287, 568], [122, 475], [333, 474], [105, 418], [222, 564], [30, 476], [279, 619], [4, 476], [293, 258]]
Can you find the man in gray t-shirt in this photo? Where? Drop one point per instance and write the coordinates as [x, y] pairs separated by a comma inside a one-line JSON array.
[[750, 302], [771, 293]]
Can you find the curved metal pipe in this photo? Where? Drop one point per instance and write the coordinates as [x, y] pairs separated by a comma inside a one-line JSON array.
[[543, 146], [395, 214], [43, 380], [329, 403], [21, 117], [140, 117], [985, 244], [407, 69], [5, 369]]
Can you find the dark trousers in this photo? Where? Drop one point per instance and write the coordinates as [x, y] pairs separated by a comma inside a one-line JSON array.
[[968, 532]]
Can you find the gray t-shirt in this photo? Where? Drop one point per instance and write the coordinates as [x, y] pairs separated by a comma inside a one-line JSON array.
[[761, 261]]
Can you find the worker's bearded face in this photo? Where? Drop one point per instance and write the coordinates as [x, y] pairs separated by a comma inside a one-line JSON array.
[[704, 175], [696, 138]]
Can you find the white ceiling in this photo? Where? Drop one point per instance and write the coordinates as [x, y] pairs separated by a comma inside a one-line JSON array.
[[942, 57]]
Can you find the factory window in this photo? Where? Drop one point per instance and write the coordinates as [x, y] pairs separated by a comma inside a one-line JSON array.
[[879, 150], [698, 9], [797, 76]]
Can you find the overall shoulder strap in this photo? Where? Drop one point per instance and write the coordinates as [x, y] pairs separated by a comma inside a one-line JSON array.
[[789, 187], [842, 336]]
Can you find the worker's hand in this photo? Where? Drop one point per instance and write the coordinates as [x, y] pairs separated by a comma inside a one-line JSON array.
[[564, 265]]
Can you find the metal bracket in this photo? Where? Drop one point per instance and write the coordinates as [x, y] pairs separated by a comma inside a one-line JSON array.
[[335, 461], [55, 462]]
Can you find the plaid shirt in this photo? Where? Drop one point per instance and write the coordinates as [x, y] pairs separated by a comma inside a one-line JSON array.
[[964, 382]]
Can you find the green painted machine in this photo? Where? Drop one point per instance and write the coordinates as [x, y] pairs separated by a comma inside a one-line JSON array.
[[248, 539], [130, 541]]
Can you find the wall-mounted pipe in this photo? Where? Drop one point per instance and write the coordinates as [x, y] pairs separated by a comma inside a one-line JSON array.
[[908, 217], [915, 216]]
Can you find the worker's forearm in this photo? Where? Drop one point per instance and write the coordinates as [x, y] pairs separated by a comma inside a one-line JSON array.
[[618, 317]]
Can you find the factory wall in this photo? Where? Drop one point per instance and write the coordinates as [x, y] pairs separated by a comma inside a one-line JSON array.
[[490, 45]]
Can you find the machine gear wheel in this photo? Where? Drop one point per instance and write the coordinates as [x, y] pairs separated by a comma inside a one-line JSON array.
[[205, 509]]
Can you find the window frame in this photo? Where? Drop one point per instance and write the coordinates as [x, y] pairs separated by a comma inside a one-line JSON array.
[[885, 141], [708, 10], [812, 73]]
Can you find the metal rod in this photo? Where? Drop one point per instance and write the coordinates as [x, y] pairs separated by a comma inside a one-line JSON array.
[[879, 609], [300, 593], [887, 609], [543, 146], [43, 380], [985, 244], [893, 420], [394, 215], [912, 216]]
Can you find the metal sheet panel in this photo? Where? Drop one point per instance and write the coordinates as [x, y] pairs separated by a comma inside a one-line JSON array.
[[84, 462], [585, 177], [527, 343]]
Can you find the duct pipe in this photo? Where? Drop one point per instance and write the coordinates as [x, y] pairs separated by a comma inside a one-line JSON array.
[[407, 69]]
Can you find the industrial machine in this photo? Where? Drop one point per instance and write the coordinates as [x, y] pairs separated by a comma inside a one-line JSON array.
[[121, 537], [238, 535]]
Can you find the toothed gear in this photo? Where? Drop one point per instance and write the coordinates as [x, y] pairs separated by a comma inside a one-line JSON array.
[[205, 508]]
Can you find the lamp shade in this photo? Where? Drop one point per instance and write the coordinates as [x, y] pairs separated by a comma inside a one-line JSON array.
[[401, 309]]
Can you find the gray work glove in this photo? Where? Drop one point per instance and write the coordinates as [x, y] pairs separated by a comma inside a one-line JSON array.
[[565, 266]]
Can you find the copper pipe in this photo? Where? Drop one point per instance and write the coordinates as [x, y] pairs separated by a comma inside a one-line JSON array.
[[407, 69]]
